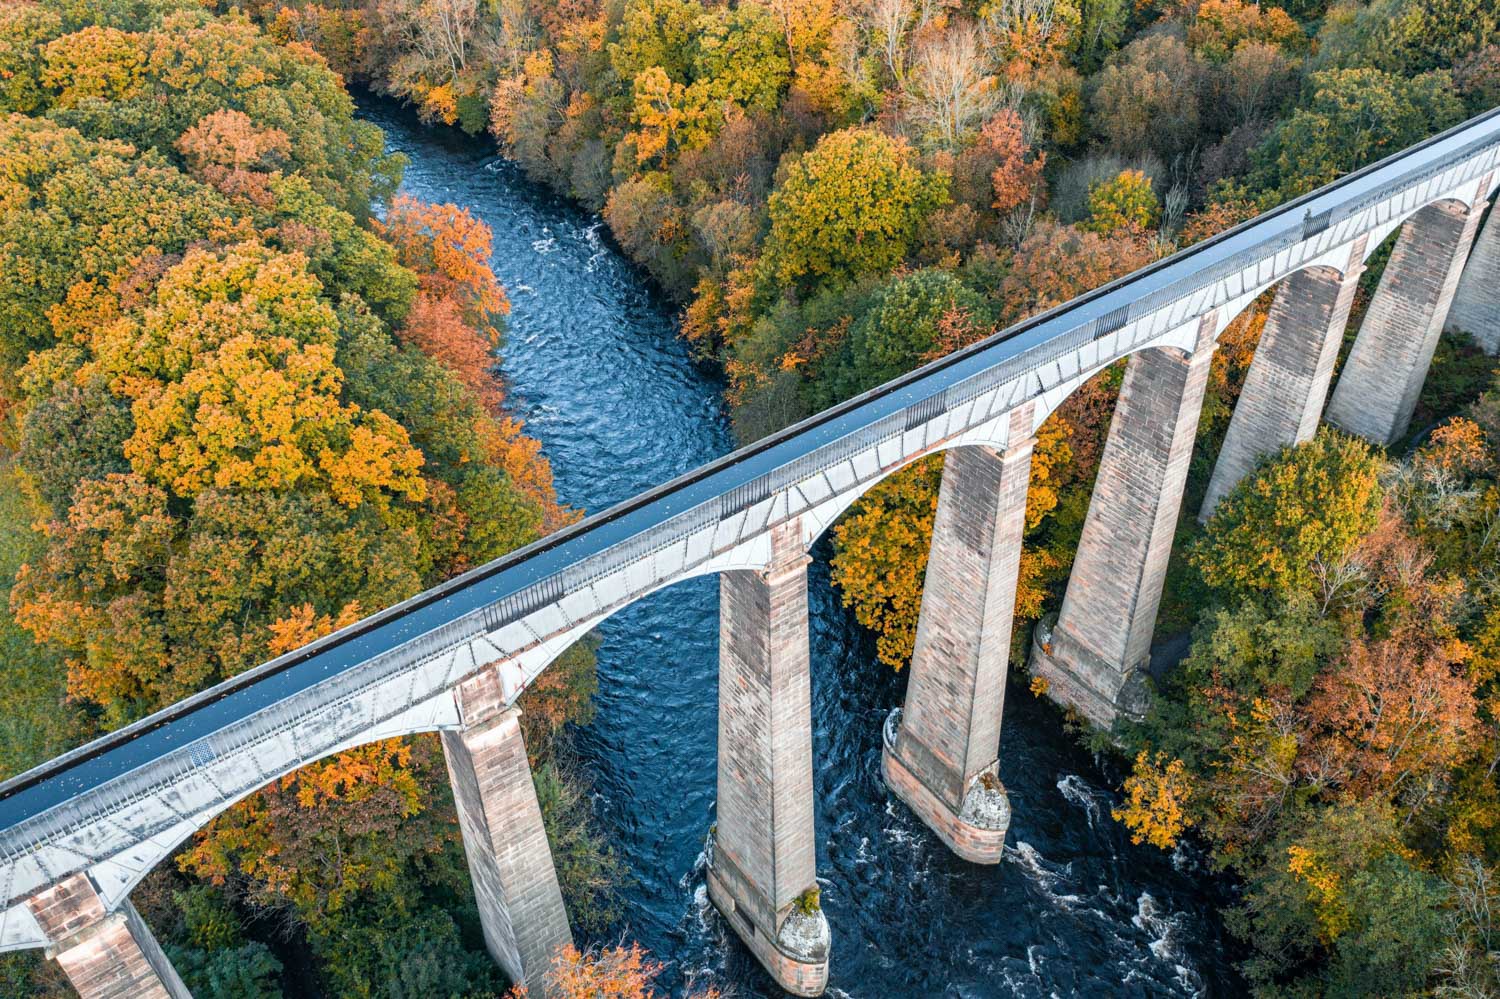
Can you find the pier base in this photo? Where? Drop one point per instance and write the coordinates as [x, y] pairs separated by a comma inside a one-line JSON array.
[[941, 752], [105, 955], [761, 856]]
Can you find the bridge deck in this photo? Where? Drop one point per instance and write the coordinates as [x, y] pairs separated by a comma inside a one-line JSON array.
[[533, 575]]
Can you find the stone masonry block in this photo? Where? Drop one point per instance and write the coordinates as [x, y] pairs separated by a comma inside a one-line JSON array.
[[763, 849], [1377, 391], [1282, 400], [949, 731], [515, 883], [1476, 303], [105, 955], [1103, 632]]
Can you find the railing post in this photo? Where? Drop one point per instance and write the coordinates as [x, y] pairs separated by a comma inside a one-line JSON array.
[[515, 884], [1093, 659], [1287, 384], [1378, 389], [105, 955], [941, 753], [762, 853]]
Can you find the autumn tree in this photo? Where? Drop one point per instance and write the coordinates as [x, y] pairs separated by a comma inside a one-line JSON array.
[[880, 557], [230, 371], [1028, 35], [1394, 716], [1156, 798], [227, 151], [741, 56], [451, 249], [656, 33], [947, 94], [850, 206], [610, 973], [1059, 262], [433, 41], [1017, 178], [149, 87], [1124, 204], [1147, 99], [1220, 27], [1296, 516]]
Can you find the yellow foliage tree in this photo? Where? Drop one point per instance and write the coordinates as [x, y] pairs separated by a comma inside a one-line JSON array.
[[230, 371], [1156, 798]]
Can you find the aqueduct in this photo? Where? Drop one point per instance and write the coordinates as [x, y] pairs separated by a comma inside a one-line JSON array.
[[77, 833]]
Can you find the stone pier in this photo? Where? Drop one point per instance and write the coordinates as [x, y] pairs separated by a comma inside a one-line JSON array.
[[515, 884], [1287, 384], [761, 865], [941, 751], [1093, 658], [105, 955], [1476, 303], [1377, 391]]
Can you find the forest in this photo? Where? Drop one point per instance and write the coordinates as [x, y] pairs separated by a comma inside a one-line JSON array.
[[241, 410]]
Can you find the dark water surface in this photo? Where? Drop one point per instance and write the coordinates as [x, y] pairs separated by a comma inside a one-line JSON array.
[[596, 368]]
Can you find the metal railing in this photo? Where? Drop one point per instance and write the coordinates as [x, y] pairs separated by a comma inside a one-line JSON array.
[[337, 667]]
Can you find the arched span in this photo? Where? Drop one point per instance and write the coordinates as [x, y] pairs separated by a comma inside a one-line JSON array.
[[144, 779], [817, 522]]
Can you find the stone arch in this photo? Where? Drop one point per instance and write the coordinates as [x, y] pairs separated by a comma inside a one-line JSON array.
[[818, 522], [538, 658], [119, 874], [1178, 342]]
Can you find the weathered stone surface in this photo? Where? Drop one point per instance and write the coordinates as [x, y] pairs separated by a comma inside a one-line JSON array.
[[105, 955], [763, 852], [1476, 303], [1092, 659], [977, 831], [950, 727], [1377, 391], [515, 883], [1287, 384]]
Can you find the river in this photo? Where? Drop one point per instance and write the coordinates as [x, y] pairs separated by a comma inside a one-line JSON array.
[[594, 365]]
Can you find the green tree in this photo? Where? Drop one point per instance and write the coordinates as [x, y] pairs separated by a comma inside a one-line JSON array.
[[246, 971], [1406, 37], [900, 328], [851, 206], [1292, 521], [412, 957], [1352, 118], [1338, 885]]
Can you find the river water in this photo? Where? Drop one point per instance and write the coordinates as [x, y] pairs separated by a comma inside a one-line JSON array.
[[595, 367]]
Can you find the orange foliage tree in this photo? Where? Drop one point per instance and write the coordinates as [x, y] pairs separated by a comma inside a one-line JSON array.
[[228, 151], [1018, 178], [608, 973], [451, 249]]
